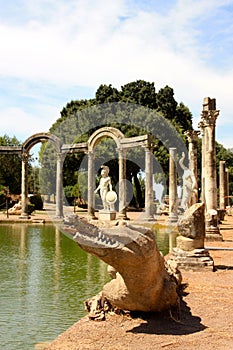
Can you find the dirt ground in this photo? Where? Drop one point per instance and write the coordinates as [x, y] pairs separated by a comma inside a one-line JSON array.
[[206, 314]]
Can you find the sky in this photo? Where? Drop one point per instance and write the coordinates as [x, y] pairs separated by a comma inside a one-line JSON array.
[[53, 52]]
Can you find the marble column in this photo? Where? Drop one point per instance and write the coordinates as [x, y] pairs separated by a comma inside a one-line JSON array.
[[122, 184], [202, 196], [59, 186], [149, 185], [209, 117], [91, 186], [24, 186], [227, 199], [173, 197], [192, 136], [222, 185]]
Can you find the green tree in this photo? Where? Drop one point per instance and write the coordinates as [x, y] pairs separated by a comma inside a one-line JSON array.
[[77, 123], [227, 155], [107, 93], [10, 166], [140, 92]]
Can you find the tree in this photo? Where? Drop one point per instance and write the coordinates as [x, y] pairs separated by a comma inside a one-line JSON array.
[[77, 123], [10, 166], [166, 104], [106, 93], [227, 155], [140, 92]]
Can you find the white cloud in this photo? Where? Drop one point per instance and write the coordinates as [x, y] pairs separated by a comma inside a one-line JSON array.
[[23, 125], [87, 43]]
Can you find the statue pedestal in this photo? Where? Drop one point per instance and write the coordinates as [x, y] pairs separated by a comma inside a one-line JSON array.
[[107, 215], [195, 260]]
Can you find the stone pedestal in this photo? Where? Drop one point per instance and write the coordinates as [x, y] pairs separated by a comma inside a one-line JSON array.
[[190, 253], [195, 259], [107, 215]]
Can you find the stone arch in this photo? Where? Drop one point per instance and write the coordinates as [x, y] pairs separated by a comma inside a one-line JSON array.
[[99, 134], [41, 137], [27, 145]]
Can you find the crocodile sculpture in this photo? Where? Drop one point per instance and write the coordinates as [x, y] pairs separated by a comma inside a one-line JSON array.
[[141, 281]]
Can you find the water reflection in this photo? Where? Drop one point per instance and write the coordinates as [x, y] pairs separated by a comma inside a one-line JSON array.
[[45, 277]]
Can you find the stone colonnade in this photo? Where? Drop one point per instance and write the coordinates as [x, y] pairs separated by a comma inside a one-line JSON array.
[[122, 144]]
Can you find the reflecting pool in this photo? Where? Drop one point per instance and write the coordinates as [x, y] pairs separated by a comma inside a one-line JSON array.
[[44, 279]]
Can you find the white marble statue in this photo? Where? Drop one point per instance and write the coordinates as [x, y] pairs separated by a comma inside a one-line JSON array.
[[189, 184], [104, 187]]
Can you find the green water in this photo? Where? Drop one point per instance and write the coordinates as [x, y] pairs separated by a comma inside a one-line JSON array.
[[44, 279]]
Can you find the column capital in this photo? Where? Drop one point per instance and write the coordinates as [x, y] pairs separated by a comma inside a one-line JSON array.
[[209, 118], [192, 135]]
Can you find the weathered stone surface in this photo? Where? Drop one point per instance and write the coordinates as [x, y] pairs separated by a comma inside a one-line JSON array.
[[190, 253], [192, 223], [141, 281], [193, 260]]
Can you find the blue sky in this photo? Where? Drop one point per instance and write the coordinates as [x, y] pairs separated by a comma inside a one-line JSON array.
[[56, 51]]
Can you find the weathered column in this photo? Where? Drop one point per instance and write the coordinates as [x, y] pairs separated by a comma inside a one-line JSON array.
[[149, 185], [24, 187], [209, 116], [173, 217], [227, 199], [91, 187], [122, 185], [59, 190], [201, 126], [192, 136], [222, 185]]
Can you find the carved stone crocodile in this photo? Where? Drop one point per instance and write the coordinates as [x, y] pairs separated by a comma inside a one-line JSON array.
[[141, 282]]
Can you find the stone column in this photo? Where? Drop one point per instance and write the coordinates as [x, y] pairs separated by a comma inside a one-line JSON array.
[[192, 136], [149, 185], [201, 126], [91, 187], [173, 217], [122, 184], [222, 185], [227, 199], [59, 186], [209, 116], [24, 187]]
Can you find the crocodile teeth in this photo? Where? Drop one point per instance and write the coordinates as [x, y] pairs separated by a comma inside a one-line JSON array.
[[100, 240]]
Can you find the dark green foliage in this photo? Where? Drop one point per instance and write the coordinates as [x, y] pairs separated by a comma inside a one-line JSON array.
[[227, 155], [136, 109], [36, 200], [10, 166]]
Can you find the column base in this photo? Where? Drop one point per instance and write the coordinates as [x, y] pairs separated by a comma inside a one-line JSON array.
[[213, 236], [212, 232], [194, 260], [145, 217]]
